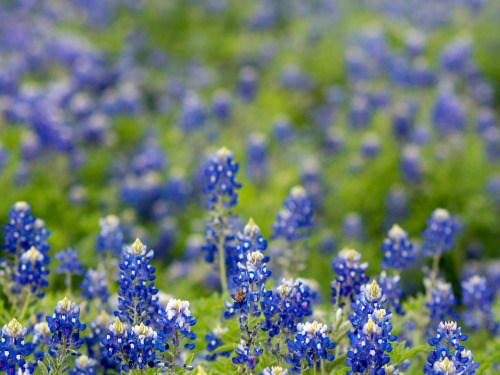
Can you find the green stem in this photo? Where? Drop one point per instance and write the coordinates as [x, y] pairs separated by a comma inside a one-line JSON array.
[[135, 311], [314, 365], [222, 267], [68, 283], [435, 267], [26, 304]]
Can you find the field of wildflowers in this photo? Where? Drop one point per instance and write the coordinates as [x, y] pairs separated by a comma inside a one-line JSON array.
[[273, 187]]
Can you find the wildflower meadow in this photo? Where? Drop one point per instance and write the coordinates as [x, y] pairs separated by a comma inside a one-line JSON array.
[[271, 187]]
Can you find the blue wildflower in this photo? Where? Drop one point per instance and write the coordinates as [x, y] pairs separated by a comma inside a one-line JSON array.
[[65, 327], [312, 344], [221, 181], [31, 272], [136, 283], [110, 239], [84, 366], [448, 355], [391, 288], [442, 301], [350, 276], [257, 158], [478, 298], [397, 249], [94, 286], [439, 233], [247, 84], [14, 350], [372, 337], [69, 262]]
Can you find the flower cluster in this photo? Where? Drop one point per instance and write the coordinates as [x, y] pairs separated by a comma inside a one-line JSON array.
[[69, 262], [478, 298], [65, 328], [350, 276], [31, 273], [176, 322], [110, 239], [14, 350], [289, 304], [253, 274], [391, 288], [294, 222], [136, 284], [442, 301], [439, 233], [372, 337], [221, 181], [312, 344], [84, 366], [133, 347], [397, 249], [24, 231], [94, 286], [449, 356]]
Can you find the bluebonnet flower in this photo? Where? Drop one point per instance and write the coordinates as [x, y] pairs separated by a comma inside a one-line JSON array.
[[65, 326], [439, 233], [99, 328], [31, 272], [352, 226], [84, 366], [391, 288], [289, 304], [370, 146], [253, 274], [295, 221], [372, 336], [312, 344], [411, 163], [415, 42], [491, 138], [213, 342], [221, 181], [176, 322], [24, 231], [360, 112], [247, 357], [478, 298], [247, 84], [69, 262], [282, 129], [448, 114], [257, 158], [334, 141], [397, 249], [441, 302], [403, 121], [192, 115], [449, 356], [14, 350], [133, 348], [94, 286], [136, 283], [221, 105], [110, 239], [350, 276]]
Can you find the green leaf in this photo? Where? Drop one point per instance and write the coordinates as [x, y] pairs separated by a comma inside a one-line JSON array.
[[218, 367], [201, 371], [43, 367], [189, 359], [224, 348]]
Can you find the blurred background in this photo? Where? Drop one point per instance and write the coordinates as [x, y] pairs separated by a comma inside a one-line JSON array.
[[383, 110]]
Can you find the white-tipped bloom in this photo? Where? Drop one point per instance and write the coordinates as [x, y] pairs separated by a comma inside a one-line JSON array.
[[445, 367], [31, 256], [371, 327], [21, 206], [177, 307], [223, 154], [275, 370], [118, 328], [41, 329], [136, 249], [298, 192], [109, 223], [378, 315], [440, 214], [145, 331], [396, 233], [84, 362], [13, 330], [251, 230], [450, 327], [372, 291], [351, 256], [316, 329], [67, 306]]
